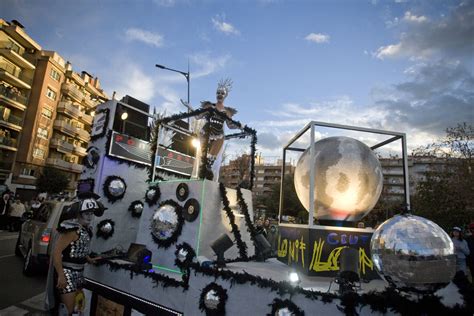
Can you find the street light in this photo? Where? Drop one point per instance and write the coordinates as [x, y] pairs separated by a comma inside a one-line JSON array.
[[123, 117], [185, 74]]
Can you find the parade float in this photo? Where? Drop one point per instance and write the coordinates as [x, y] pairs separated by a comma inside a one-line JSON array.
[[176, 243]]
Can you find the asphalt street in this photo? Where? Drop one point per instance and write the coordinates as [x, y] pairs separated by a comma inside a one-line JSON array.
[[16, 287]]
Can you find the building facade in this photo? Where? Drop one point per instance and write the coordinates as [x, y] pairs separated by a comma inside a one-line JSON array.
[[17, 69], [59, 115]]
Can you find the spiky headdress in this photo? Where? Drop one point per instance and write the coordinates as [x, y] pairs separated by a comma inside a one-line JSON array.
[[225, 84]]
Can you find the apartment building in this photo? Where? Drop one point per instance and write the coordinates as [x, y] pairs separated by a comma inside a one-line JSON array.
[[59, 117], [17, 68], [266, 174]]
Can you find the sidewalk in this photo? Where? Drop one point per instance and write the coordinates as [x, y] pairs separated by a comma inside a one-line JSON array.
[[31, 307]]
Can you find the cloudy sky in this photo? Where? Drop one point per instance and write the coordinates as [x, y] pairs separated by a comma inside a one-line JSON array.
[[404, 66]]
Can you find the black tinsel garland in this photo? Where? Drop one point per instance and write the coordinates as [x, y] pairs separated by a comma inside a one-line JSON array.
[[165, 243], [235, 229], [253, 142], [205, 149], [106, 123], [111, 198], [248, 221], [102, 234], [152, 201], [280, 304], [221, 294]]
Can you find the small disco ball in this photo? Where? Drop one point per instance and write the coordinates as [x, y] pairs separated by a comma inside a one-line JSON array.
[[347, 181], [106, 228], [212, 300], [413, 253], [116, 187], [164, 222]]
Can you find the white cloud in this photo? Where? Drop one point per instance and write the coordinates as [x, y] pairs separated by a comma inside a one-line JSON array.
[[413, 18], [132, 80], [222, 26], [388, 51], [206, 64], [165, 3], [317, 38], [147, 37]]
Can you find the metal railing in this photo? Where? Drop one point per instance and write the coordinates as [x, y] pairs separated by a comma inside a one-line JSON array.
[[16, 72], [14, 96], [10, 118], [8, 141]]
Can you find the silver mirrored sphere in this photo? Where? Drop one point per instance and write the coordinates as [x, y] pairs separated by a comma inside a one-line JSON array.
[[151, 194], [106, 228], [348, 179], [182, 254], [283, 312], [116, 187], [164, 222], [138, 208], [412, 252], [211, 300]]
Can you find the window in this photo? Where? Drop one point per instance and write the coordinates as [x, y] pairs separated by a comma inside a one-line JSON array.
[[55, 74], [46, 112], [51, 94], [38, 153], [42, 132], [28, 172]]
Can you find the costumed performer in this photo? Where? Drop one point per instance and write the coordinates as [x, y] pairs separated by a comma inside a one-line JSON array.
[[215, 125], [71, 252]]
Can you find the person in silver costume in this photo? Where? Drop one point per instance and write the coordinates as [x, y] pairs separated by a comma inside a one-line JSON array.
[[216, 128], [71, 249]]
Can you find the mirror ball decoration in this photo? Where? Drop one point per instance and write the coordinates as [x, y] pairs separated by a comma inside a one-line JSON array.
[[182, 192], [105, 228], [166, 223], [191, 210], [184, 254], [213, 299], [136, 208], [413, 253], [285, 308], [152, 195], [347, 181], [114, 188]]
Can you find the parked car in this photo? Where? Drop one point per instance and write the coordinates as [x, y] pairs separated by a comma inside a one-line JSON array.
[[35, 235]]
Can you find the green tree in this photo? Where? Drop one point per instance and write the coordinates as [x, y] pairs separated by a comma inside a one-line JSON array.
[[446, 195], [52, 181], [291, 203]]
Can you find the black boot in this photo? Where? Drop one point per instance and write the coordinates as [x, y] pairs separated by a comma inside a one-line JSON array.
[[210, 162]]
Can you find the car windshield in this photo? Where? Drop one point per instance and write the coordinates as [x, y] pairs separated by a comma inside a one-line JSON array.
[[43, 213]]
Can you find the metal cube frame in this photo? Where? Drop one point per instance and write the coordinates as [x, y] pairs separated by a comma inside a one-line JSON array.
[[393, 136]]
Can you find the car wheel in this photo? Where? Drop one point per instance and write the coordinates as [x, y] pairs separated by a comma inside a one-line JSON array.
[[28, 265], [17, 246]]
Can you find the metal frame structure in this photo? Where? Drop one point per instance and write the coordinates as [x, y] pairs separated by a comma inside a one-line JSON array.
[[312, 127]]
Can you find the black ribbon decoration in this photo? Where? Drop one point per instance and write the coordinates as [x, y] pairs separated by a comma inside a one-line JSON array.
[[235, 229], [248, 221]]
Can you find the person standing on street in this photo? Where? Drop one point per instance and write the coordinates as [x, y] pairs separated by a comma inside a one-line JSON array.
[[16, 212], [461, 250], [5, 203]]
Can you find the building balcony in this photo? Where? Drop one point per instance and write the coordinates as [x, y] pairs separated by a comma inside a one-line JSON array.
[[80, 151], [88, 102], [69, 109], [65, 127], [61, 146], [14, 76], [16, 100], [9, 120], [13, 53], [8, 143], [87, 119], [76, 77], [62, 164], [82, 134], [5, 167], [73, 92]]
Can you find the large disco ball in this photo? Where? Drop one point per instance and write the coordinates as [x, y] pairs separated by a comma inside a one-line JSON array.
[[411, 252], [347, 181]]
